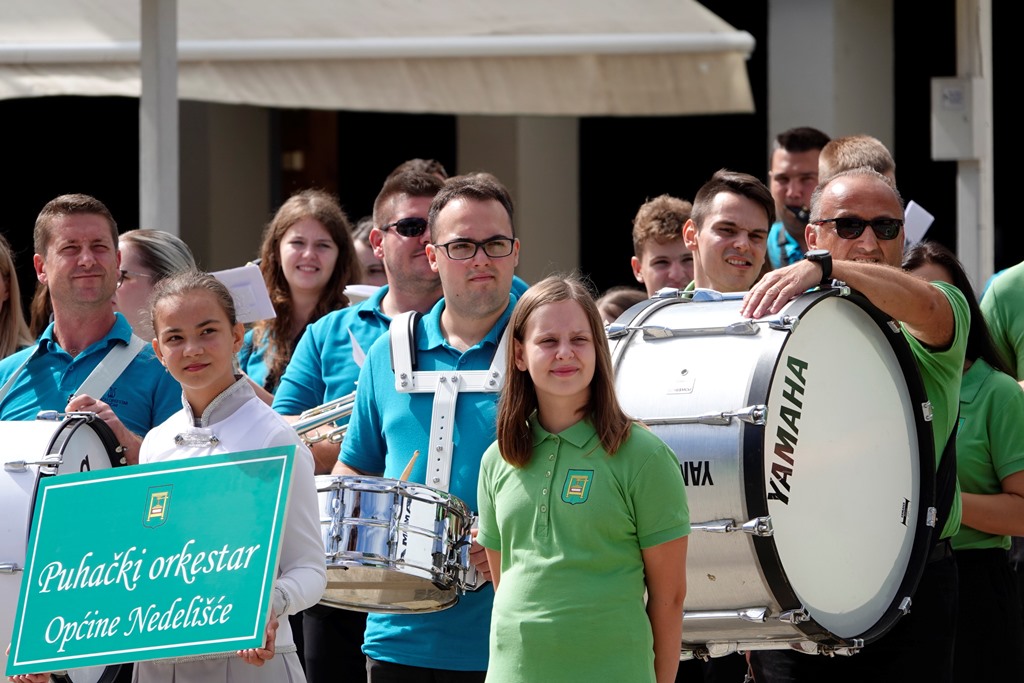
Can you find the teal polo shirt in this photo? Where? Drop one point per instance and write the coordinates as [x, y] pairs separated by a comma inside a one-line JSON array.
[[143, 396], [385, 430], [326, 362], [783, 249]]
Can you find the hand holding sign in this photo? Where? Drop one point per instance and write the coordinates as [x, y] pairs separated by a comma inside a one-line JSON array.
[[259, 656]]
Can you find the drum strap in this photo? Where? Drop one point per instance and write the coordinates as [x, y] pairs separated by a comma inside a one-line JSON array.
[[945, 481], [445, 385], [101, 377]]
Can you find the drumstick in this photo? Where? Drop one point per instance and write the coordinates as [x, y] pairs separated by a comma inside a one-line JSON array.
[[408, 468]]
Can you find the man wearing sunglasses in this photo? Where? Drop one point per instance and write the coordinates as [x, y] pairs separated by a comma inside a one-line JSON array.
[[326, 364], [855, 232], [400, 432]]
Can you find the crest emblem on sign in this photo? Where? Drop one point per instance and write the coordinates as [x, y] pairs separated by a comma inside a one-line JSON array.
[[157, 505], [577, 486]]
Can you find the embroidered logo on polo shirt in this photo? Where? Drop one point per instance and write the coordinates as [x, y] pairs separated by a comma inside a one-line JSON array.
[[577, 486]]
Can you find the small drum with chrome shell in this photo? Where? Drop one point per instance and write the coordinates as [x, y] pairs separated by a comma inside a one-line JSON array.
[[393, 546], [808, 459]]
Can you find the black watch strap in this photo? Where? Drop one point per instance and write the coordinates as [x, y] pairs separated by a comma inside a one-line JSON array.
[[824, 259]]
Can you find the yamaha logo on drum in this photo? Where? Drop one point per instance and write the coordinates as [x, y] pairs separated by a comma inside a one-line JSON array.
[[786, 441]]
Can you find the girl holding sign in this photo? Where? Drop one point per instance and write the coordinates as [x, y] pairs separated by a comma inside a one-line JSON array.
[[578, 501], [197, 337]]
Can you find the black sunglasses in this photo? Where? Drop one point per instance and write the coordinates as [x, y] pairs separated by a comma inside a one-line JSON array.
[[413, 226], [850, 228]]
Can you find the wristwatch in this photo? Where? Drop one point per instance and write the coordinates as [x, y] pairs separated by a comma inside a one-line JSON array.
[[824, 259]]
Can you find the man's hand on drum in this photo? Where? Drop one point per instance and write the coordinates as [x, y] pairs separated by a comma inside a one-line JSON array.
[[83, 403], [478, 557], [778, 287], [258, 656]]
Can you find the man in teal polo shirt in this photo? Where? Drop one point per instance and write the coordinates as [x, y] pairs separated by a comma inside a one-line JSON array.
[[474, 250], [76, 256], [792, 176], [856, 228]]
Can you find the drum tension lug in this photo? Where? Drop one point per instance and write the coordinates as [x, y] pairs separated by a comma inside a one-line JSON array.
[[759, 526], [784, 323], [9, 568], [905, 605], [794, 616]]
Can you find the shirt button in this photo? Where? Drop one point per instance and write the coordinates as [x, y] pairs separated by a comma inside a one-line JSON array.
[[545, 492], [543, 508], [548, 473], [551, 457]]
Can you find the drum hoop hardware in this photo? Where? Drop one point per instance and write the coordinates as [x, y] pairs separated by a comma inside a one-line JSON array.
[[794, 616], [51, 460], [9, 568], [743, 328], [759, 526], [755, 415], [927, 411]]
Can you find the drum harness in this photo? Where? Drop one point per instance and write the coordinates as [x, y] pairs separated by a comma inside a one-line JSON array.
[[445, 385]]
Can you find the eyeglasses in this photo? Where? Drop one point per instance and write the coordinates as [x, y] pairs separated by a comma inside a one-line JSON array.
[[850, 228], [414, 226], [462, 250], [125, 273]]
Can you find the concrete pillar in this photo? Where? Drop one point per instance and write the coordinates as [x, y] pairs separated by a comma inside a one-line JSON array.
[[538, 160]]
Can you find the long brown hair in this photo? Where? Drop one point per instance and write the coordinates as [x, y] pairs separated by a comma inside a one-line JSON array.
[[276, 333], [519, 396], [14, 333]]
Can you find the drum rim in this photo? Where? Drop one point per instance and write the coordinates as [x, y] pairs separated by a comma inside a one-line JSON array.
[[101, 429], [754, 483]]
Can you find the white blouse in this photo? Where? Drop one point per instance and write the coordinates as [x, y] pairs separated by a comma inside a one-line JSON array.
[[240, 421]]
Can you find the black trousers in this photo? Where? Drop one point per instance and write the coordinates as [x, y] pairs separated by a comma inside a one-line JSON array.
[[333, 642], [388, 672], [989, 632], [918, 648]]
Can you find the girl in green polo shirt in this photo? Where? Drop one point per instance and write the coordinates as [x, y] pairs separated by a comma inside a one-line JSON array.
[[990, 467], [582, 510]]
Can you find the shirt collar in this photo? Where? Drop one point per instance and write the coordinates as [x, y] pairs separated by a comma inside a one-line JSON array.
[[972, 380], [222, 407], [579, 435], [434, 338], [120, 331]]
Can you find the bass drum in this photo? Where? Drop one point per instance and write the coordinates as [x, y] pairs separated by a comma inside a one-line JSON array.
[[808, 463], [79, 443]]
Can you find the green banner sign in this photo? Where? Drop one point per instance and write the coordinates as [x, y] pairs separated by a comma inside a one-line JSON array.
[[151, 561]]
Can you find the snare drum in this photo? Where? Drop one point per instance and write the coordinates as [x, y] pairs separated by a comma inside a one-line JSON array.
[[393, 546], [32, 450], [808, 462]]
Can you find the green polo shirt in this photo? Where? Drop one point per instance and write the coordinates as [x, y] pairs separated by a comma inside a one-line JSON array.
[[989, 442], [571, 526]]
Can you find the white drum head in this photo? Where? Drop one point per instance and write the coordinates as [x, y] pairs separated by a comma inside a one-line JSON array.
[[81, 445], [844, 500]]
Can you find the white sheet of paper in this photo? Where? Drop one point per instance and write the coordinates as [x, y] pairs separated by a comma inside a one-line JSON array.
[[916, 223], [252, 301]]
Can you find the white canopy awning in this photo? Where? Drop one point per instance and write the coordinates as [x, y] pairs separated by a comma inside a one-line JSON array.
[[530, 57]]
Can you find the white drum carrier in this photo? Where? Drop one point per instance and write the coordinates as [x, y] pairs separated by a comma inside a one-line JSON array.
[[808, 459]]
